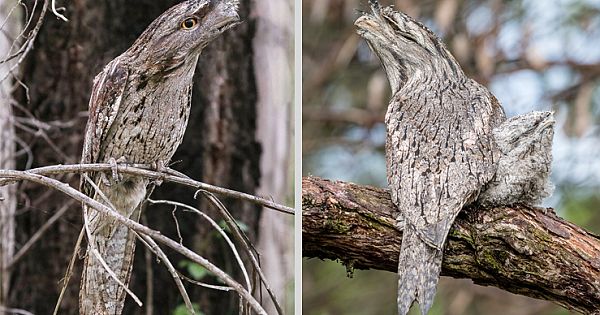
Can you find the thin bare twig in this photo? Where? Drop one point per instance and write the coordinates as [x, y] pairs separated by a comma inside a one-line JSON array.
[[151, 244], [135, 226], [28, 45], [39, 132], [96, 253], [26, 149], [218, 228], [69, 272], [28, 18], [244, 240], [145, 171], [17, 257], [58, 15], [205, 285], [149, 283], [176, 223]]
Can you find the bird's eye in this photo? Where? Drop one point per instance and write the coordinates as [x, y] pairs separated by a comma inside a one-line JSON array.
[[189, 23]]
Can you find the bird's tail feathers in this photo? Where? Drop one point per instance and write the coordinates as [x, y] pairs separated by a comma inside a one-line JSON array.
[[419, 269]]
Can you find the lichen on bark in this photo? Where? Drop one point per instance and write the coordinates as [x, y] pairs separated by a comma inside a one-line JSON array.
[[522, 249]]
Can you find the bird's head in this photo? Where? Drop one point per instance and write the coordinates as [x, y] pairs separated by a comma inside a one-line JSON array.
[[519, 134], [405, 47], [179, 35]]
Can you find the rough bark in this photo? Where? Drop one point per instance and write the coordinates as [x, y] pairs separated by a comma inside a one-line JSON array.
[[219, 146], [274, 79], [521, 249]]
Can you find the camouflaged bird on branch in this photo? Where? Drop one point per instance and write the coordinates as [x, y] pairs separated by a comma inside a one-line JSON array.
[[138, 112], [446, 143]]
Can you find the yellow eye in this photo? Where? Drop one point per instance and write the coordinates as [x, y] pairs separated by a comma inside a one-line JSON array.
[[189, 23]]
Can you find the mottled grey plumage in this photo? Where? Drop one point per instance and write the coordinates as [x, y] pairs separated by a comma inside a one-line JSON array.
[[139, 109], [525, 143], [447, 144], [440, 148]]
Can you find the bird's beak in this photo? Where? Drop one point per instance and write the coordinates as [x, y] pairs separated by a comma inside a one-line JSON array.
[[365, 24], [227, 23], [227, 16]]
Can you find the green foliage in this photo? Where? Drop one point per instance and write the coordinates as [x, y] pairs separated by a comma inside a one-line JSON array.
[[182, 310], [194, 270], [580, 206], [241, 225]]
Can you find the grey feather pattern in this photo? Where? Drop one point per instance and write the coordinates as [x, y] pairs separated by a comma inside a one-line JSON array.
[[105, 101], [525, 142], [438, 160], [448, 144], [139, 108], [440, 149]]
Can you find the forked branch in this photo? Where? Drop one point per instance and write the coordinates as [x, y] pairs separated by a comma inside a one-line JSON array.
[[148, 235], [144, 171], [521, 249]]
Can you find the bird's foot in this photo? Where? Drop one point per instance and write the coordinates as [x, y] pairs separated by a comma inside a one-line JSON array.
[[114, 168], [159, 166]]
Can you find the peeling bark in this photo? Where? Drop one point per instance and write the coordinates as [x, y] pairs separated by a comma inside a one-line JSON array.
[[522, 249]]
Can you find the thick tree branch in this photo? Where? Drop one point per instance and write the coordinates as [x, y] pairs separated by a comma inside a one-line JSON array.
[[521, 249]]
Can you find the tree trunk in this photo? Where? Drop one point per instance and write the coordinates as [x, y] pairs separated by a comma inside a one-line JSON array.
[[219, 147], [274, 76], [524, 250], [8, 197]]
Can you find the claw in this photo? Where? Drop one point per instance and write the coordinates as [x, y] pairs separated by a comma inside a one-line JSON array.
[[159, 166], [114, 168]]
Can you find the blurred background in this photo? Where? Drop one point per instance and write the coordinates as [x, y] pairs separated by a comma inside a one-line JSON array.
[[532, 54]]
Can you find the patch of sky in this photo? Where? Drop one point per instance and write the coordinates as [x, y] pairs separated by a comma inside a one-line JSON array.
[[372, 136], [364, 53], [339, 96], [480, 20], [555, 32], [596, 106], [558, 78], [547, 33], [519, 92], [509, 39], [576, 160], [582, 46], [340, 163]]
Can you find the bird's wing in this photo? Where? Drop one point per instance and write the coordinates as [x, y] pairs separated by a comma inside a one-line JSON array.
[[105, 100], [441, 152]]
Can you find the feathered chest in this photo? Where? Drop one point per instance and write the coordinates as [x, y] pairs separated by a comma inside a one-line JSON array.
[[456, 113], [150, 122], [434, 135]]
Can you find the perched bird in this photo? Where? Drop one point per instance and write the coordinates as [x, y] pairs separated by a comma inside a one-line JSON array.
[[138, 113], [440, 147], [525, 143]]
